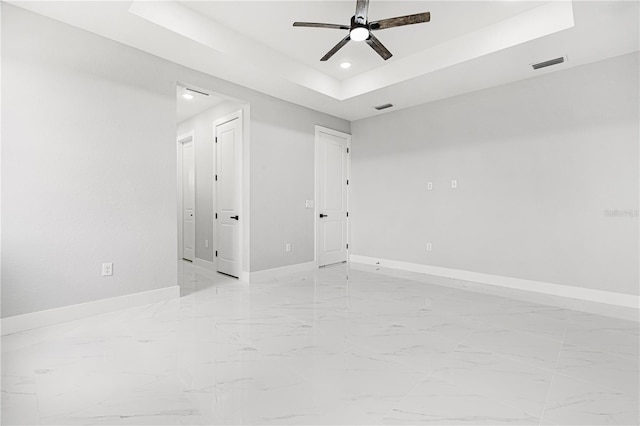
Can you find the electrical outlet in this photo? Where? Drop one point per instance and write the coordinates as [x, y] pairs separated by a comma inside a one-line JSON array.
[[107, 269], [287, 247], [206, 243], [454, 183], [309, 204], [429, 247], [429, 186]]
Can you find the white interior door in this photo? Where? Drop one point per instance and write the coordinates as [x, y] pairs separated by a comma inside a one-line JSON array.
[[332, 174], [188, 200], [228, 193]]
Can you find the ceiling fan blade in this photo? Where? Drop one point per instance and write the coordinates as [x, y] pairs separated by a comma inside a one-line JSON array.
[[362, 9], [336, 48], [418, 18], [320, 25], [378, 47]]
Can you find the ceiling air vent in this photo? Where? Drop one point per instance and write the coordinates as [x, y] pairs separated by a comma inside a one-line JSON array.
[[196, 91], [384, 106], [548, 63]]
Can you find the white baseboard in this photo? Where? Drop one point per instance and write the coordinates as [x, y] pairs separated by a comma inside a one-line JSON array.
[[31, 320], [277, 272], [591, 295], [205, 264], [211, 267]]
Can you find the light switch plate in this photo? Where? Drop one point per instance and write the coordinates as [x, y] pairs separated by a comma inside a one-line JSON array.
[[429, 186], [309, 204], [454, 183]]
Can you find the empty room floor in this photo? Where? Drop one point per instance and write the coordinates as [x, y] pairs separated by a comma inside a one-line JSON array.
[[335, 346]]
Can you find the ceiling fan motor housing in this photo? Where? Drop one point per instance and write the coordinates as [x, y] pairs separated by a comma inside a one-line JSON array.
[[358, 22]]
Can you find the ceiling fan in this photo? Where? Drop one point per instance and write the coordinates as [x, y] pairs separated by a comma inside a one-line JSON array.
[[361, 29]]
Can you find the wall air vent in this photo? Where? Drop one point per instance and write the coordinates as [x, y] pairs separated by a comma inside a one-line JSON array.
[[548, 63], [384, 106]]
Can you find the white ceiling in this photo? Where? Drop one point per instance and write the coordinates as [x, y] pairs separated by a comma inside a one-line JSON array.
[[467, 46], [270, 23]]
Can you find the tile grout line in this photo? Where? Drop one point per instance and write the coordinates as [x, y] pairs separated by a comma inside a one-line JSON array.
[[555, 372]]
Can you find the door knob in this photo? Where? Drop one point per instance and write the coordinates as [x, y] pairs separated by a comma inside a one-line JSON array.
[[234, 217], [323, 215]]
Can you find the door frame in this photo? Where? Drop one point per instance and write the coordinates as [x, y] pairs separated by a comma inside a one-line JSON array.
[[321, 129], [180, 140], [243, 208]]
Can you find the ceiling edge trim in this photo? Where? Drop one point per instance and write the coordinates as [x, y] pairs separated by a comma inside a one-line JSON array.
[[541, 21], [234, 46]]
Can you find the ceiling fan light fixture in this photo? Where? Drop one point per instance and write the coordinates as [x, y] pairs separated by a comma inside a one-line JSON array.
[[359, 33]]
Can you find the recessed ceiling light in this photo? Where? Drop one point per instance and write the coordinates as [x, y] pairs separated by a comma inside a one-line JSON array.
[[345, 65], [186, 94]]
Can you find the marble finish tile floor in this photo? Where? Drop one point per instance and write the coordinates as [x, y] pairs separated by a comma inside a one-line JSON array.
[[340, 345]]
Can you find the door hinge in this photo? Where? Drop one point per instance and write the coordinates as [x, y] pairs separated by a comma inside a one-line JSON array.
[[347, 181], [216, 139], [347, 246], [216, 253], [347, 214], [347, 150], [216, 178], [217, 215]]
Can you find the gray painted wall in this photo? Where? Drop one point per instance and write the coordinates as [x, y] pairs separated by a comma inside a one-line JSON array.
[[202, 126], [89, 167], [537, 162], [282, 178]]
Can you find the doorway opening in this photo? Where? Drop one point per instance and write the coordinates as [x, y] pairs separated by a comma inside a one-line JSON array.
[[219, 180]]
